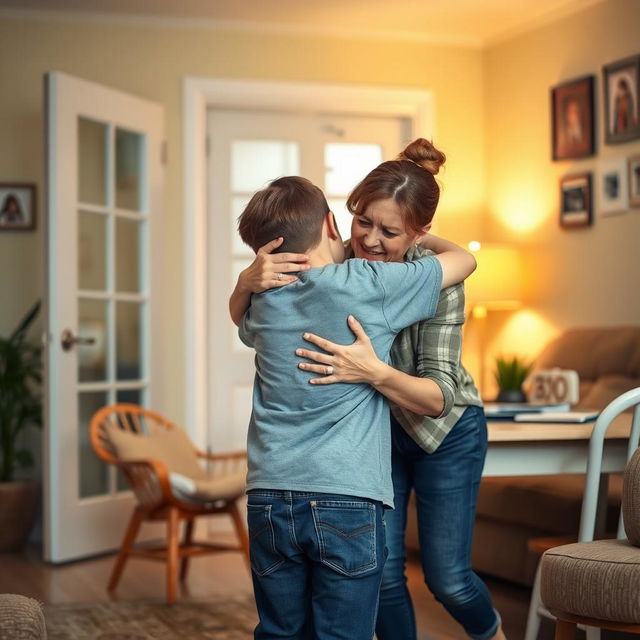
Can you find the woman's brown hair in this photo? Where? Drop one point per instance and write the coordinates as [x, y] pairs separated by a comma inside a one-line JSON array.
[[408, 180]]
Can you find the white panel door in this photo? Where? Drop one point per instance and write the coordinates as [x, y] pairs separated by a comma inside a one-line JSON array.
[[104, 183], [248, 149]]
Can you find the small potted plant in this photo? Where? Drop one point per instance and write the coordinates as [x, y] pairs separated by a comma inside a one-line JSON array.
[[20, 409], [510, 374]]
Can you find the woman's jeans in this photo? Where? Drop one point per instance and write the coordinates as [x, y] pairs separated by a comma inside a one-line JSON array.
[[316, 562], [446, 486]]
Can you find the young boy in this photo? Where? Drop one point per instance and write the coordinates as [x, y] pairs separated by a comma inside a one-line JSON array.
[[319, 457]]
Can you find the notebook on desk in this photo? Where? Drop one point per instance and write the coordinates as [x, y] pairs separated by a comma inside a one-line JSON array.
[[512, 409], [557, 416]]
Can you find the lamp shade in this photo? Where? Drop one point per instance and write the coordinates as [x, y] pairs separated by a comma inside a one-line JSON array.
[[497, 282]]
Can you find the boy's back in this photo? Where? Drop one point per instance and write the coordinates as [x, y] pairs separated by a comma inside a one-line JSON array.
[[334, 438]]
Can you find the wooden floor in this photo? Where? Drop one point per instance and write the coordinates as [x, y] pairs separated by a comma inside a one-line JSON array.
[[85, 581]]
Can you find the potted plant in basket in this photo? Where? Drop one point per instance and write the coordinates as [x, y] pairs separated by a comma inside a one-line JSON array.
[[510, 374], [20, 409]]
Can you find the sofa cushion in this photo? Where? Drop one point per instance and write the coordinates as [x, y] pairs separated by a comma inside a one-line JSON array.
[[605, 389], [544, 503], [595, 352], [599, 579]]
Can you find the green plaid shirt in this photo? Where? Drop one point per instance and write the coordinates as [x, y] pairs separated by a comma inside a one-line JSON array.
[[431, 349]]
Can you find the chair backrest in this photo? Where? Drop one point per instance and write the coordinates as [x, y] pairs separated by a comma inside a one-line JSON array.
[[135, 419], [128, 417], [594, 465]]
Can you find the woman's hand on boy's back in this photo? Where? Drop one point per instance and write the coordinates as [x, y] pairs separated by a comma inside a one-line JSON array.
[[355, 362], [270, 270]]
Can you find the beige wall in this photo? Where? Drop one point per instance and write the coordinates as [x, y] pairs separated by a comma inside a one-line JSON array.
[[579, 277], [151, 61], [493, 121]]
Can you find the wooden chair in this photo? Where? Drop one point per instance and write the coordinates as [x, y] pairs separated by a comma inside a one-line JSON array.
[[160, 491], [564, 587]]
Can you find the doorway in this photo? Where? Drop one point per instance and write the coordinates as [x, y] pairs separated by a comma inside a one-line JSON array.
[[248, 149], [212, 416]]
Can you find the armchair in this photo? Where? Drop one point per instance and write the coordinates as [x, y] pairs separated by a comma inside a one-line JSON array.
[[162, 468]]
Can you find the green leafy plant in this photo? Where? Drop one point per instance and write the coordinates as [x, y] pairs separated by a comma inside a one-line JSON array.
[[511, 372], [20, 398]]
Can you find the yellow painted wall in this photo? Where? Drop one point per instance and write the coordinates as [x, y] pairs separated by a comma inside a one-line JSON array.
[[579, 277], [151, 61], [492, 120]]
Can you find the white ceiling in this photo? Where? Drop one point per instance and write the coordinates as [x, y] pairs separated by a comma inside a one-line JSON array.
[[470, 22]]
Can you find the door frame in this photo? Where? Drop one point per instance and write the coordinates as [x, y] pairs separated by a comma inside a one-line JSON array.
[[200, 94]]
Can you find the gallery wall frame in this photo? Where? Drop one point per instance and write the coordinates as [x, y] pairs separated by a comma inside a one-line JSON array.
[[621, 86], [576, 201], [572, 119], [633, 180], [611, 187], [17, 206]]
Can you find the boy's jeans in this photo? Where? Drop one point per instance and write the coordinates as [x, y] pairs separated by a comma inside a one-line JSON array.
[[317, 562]]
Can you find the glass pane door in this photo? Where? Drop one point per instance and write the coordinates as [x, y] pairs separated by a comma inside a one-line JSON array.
[[112, 295], [346, 163], [104, 274]]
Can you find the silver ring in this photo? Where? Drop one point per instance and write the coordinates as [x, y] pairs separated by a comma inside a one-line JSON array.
[[329, 370], [279, 276]]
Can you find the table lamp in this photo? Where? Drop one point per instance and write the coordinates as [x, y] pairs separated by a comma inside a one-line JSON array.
[[494, 286]]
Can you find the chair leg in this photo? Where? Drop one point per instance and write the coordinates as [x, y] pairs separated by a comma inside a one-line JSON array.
[[172, 554], [240, 530], [533, 619], [565, 630], [137, 518], [188, 539]]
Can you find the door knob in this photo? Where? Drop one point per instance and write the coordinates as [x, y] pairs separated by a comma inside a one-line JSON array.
[[67, 340]]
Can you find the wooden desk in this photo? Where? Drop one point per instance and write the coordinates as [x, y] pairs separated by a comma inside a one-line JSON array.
[[540, 448]]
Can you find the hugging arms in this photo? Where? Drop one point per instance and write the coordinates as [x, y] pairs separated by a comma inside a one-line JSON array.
[[426, 389]]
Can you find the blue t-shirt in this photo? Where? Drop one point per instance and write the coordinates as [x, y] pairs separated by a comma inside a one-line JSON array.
[[333, 438]]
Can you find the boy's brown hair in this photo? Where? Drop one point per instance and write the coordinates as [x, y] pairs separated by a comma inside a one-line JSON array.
[[291, 207]]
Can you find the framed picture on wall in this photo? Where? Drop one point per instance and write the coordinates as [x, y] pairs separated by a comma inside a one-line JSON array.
[[572, 119], [633, 177], [17, 206], [621, 93], [575, 201], [611, 191]]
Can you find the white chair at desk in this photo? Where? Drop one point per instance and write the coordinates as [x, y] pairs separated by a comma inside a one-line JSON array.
[[589, 512]]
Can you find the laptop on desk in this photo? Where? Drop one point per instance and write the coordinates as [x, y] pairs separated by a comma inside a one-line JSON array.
[[510, 410]]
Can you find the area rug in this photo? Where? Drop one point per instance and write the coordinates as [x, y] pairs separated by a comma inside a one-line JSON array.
[[230, 618]]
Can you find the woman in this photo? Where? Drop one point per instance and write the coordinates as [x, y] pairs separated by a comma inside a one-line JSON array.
[[441, 457]]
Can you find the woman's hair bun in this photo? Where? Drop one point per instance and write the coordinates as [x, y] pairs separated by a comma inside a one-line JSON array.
[[423, 153]]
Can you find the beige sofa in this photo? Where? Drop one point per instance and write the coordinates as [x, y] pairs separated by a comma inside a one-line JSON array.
[[513, 511]]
